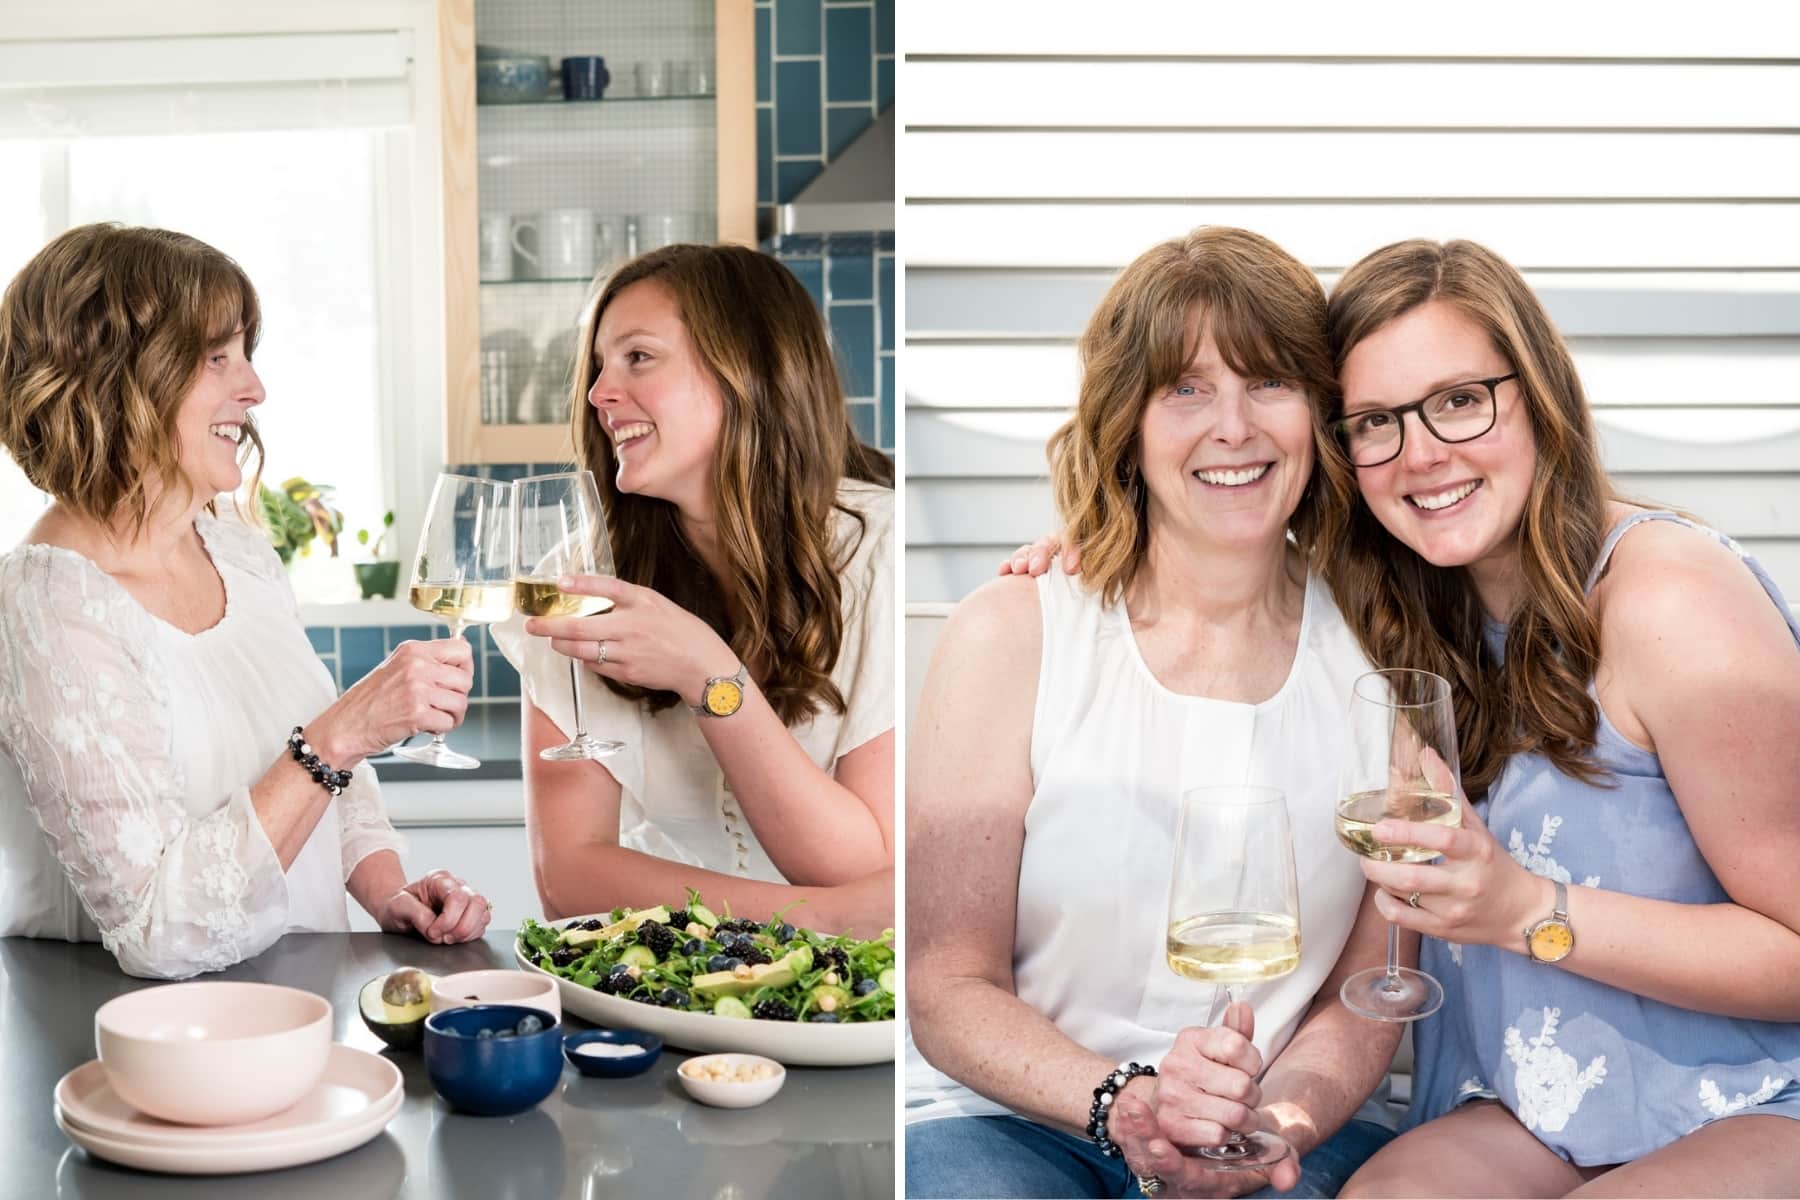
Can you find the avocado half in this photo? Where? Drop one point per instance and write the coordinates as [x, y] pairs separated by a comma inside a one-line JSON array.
[[394, 1006]]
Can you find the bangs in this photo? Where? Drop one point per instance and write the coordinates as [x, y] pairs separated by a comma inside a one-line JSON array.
[[227, 303], [1242, 335]]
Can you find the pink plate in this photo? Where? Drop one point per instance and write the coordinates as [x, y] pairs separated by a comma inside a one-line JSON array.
[[354, 1100]]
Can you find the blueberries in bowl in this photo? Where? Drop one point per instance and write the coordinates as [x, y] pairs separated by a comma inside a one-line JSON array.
[[493, 1059]]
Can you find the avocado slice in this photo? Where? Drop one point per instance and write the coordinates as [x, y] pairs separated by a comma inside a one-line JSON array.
[[394, 1007], [583, 937], [729, 983]]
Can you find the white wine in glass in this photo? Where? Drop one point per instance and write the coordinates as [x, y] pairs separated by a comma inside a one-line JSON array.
[[1403, 766], [1234, 918], [462, 574], [562, 531]]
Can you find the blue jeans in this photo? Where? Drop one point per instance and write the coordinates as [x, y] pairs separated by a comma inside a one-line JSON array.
[[1008, 1157]]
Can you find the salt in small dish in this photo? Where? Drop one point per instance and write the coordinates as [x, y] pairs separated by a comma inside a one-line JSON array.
[[707, 1078], [618, 1053]]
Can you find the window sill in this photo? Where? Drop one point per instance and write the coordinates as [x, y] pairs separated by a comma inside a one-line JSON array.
[[363, 612]]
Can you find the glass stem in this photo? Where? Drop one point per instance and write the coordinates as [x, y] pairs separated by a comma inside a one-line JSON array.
[[1229, 993], [1392, 982], [575, 694], [456, 631]]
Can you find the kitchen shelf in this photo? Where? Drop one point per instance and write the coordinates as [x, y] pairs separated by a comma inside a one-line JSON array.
[[604, 101]]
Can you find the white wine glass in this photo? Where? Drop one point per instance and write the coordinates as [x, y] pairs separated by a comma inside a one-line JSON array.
[[562, 531], [462, 574], [1234, 918], [1402, 765]]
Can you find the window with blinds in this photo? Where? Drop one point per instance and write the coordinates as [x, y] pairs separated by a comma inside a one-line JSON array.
[[1645, 176]]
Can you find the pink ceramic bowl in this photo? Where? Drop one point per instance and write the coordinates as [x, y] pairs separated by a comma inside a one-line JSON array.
[[496, 987], [214, 1053]]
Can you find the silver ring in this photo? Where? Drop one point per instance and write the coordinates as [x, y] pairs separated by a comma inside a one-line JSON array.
[[1151, 1185], [602, 656], [1412, 901]]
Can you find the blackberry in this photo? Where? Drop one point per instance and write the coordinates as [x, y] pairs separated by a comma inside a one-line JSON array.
[[564, 956], [754, 955], [658, 937], [572, 926], [738, 925], [681, 918], [837, 958], [772, 1010], [593, 923], [615, 981]]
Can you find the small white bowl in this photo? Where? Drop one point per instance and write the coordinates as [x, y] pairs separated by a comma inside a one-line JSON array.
[[217, 1052], [496, 987], [727, 1094]]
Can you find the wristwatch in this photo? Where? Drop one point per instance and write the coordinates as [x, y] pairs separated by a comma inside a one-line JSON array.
[[1553, 938], [723, 694]]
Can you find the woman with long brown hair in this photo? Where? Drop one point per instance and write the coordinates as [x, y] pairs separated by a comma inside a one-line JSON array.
[[1615, 923], [1060, 724], [753, 541], [178, 777]]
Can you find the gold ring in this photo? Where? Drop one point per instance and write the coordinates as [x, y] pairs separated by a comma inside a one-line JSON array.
[[1412, 901], [601, 657]]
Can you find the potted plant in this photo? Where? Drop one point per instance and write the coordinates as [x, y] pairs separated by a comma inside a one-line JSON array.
[[380, 576], [297, 514]]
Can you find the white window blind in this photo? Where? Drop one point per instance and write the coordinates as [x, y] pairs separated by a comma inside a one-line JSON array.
[[1643, 173]]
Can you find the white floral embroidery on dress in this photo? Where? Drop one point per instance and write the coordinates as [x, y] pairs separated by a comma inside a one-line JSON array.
[[1714, 1101], [1536, 857], [1548, 1084], [139, 841]]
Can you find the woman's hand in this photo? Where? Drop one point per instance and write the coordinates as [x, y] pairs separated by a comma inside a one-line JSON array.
[[421, 687], [1475, 895], [650, 641], [439, 908], [1034, 559]]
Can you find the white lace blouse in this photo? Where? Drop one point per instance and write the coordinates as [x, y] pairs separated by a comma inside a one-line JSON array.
[[674, 800], [127, 752]]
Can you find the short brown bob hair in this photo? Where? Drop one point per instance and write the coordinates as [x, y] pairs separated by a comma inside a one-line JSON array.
[[1265, 312], [102, 335]]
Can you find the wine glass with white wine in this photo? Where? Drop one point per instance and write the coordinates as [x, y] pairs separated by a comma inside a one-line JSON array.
[[462, 574], [1402, 765], [1234, 918], [562, 531]]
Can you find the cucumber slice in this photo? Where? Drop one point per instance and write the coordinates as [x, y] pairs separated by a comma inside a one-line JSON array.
[[704, 915], [641, 955], [889, 980], [731, 1006]]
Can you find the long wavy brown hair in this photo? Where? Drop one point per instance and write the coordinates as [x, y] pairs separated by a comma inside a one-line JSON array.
[[102, 335], [1266, 314], [1408, 613], [785, 443]]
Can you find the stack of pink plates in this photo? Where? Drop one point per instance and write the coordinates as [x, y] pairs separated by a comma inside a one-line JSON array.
[[352, 1104]]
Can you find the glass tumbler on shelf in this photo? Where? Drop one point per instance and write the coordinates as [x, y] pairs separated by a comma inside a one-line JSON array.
[[1402, 764], [462, 574], [1234, 918], [562, 531]]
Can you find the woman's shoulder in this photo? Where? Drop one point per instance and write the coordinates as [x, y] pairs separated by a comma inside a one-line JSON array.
[[864, 519], [231, 538], [1001, 619]]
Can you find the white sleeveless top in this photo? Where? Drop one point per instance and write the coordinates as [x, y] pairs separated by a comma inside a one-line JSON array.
[[1112, 750]]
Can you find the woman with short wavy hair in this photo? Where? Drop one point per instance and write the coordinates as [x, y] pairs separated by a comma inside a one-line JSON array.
[[1061, 722], [753, 538], [178, 777], [1615, 923]]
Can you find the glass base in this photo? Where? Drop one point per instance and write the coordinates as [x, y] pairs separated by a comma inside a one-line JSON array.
[[436, 754], [583, 747], [1250, 1152], [1407, 995]]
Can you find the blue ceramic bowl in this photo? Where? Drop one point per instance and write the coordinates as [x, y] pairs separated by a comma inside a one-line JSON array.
[[613, 1068], [511, 78], [492, 1076]]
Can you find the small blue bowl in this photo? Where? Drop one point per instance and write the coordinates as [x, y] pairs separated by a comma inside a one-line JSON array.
[[492, 1077], [613, 1068]]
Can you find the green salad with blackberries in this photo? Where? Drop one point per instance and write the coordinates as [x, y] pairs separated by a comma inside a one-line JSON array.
[[691, 960]]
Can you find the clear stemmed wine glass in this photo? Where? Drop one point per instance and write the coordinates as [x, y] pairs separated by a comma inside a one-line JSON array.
[[562, 531], [1234, 917], [1402, 764], [462, 574]]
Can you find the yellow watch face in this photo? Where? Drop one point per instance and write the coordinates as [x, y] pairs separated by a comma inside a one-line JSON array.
[[723, 698], [1551, 941]]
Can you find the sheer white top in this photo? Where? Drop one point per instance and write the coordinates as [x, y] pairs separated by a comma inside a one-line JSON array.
[[674, 801], [127, 752], [1112, 750]]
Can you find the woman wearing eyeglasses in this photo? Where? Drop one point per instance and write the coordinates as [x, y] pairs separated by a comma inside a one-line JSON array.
[[1615, 924]]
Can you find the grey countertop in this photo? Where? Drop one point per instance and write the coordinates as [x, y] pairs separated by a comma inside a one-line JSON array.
[[828, 1133]]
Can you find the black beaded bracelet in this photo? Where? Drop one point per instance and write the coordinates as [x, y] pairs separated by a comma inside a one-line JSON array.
[[332, 781], [1103, 1098]]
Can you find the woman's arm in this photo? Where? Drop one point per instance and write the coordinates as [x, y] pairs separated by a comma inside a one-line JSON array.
[[1719, 698], [968, 787], [818, 829], [572, 824]]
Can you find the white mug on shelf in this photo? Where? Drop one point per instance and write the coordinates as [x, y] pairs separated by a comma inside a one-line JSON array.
[[609, 242], [564, 243], [496, 248], [654, 77], [656, 230]]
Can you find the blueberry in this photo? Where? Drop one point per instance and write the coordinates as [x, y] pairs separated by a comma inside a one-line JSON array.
[[505, 1033], [673, 998], [692, 946], [719, 962], [865, 986], [485, 1033], [823, 1018], [785, 933], [528, 1025]]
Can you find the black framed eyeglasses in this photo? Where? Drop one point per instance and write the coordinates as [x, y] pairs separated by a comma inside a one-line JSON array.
[[1461, 412]]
